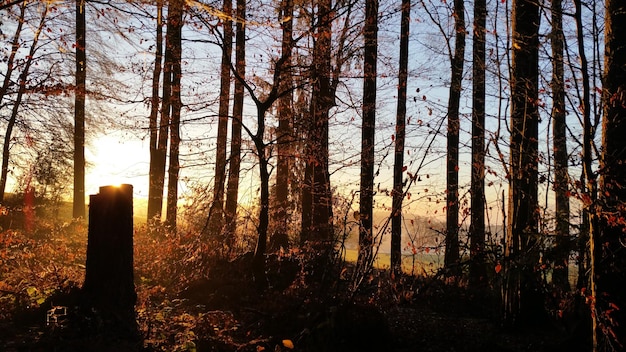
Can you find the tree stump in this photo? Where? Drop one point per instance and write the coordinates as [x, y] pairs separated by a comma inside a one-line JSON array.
[[109, 284]]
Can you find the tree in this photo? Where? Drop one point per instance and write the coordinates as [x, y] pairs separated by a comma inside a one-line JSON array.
[[608, 242], [559, 131], [284, 133], [263, 104], [230, 214], [21, 90], [79, 112], [217, 206], [477, 269], [15, 45], [522, 298], [366, 202], [176, 13], [398, 168], [451, 260], [317, 224], [157, 155]]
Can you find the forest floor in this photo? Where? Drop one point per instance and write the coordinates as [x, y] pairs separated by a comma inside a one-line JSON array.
[[292, 311]]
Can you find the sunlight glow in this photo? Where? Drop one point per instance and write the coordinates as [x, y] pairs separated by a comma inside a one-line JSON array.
[[116, 160]]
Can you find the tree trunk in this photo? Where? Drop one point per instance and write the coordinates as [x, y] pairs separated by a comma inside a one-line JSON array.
[[451, 260], [398, 166], [155, 193], [322, 211], [158, 159], [176, 11], [321, 223], [477, 268], [366, 203], [216, 212], [109, 283], [284, 134], [235, 143], [79, 113], [559, 134], [6, 146], [23, 78], [608, 243], [523, 301], [258, 266]]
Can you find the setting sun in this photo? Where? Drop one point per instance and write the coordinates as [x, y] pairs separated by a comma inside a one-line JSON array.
[[115, 160]]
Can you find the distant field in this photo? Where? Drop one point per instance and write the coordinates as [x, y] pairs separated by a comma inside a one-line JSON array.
[[419, 264]]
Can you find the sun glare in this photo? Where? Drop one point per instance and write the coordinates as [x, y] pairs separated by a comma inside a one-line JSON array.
[[115, 160]]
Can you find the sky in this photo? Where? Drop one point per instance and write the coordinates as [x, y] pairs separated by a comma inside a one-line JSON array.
[[117, 159]]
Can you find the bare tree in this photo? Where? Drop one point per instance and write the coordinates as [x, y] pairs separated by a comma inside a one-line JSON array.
[[559, 131], [230, 214], [284, 133], [398, 168], [15, 45], [317, 224], [366, 203], [478, 271], [79, 112], [452, 256], [155, 187], [176, 12], [522, 298], [608, 245], [217, 205]]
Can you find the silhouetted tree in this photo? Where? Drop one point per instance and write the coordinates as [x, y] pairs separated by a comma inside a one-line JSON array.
[[216, 210], [230, 214], [398, 166], [157, 155], [323, 99], [284, 132], [366, 202], [609, 242], [522, 297], [452, 256], [176, 12], [477, 269], [79, 112], [10, 62], [559, 146]]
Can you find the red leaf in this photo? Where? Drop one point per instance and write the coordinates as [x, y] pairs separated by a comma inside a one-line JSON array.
[[498, 268]]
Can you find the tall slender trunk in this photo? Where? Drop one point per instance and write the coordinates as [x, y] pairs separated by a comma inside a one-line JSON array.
[[155, 193], [79, 112], [160, 153], [320, 229], [398, 166], [523, 300], [478, 271], [366, 204], [235, 143], [216, 212], [176, 11], [559, 135], [18, 99], [6, 146], [451, 260], [284, 134], [608, 239]]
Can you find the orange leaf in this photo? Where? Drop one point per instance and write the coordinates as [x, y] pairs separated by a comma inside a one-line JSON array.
[[498, 268]]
